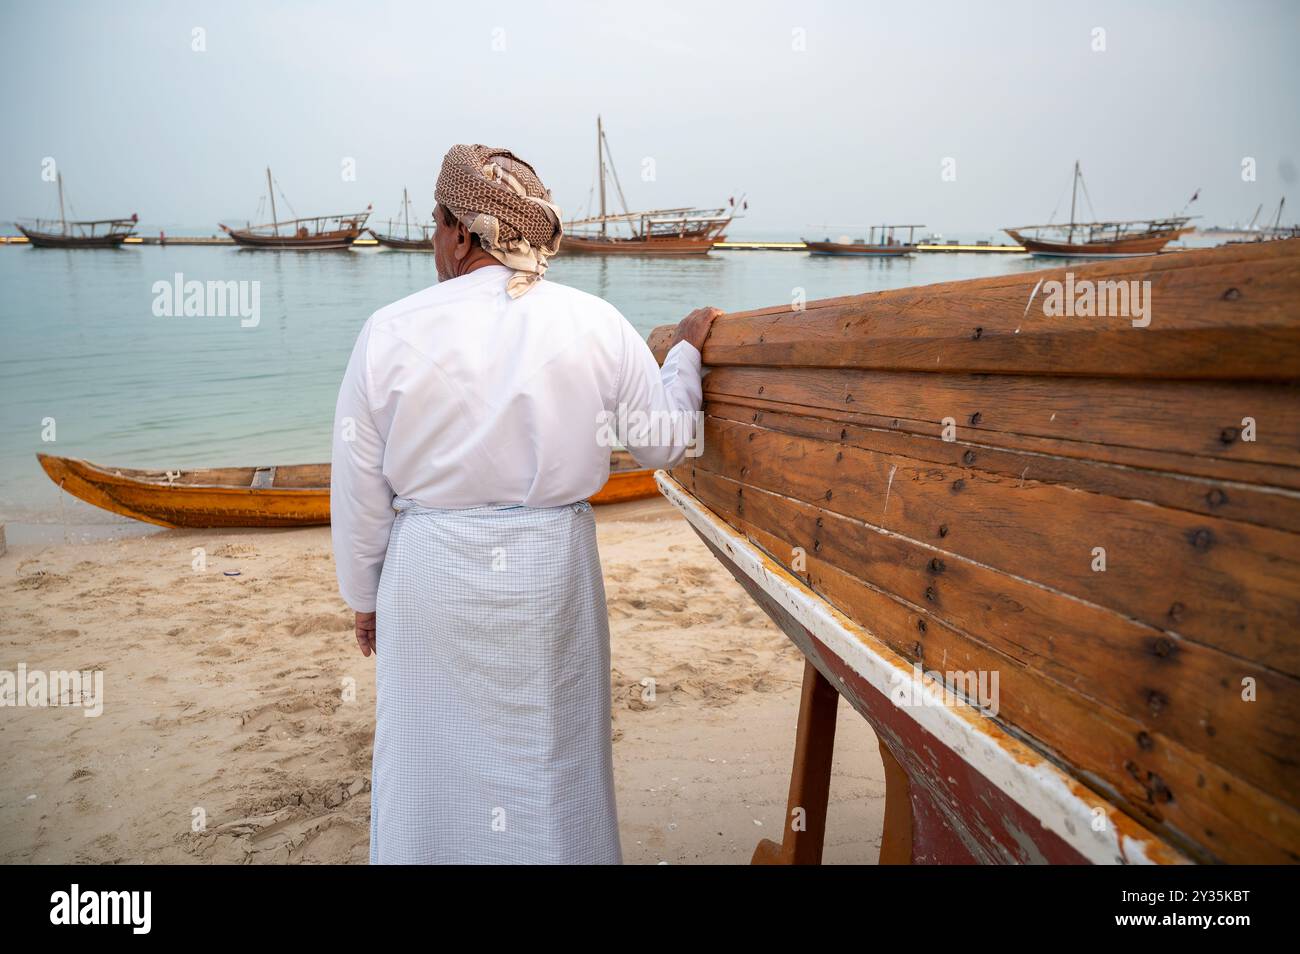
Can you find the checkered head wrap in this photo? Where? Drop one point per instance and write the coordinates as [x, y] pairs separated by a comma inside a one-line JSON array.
[[499, 198]]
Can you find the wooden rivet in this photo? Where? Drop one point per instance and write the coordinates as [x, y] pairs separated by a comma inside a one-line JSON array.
[[751, 435], [743, 471], [1232, 294], [1227, 435], [844, 433], [848, 399], [1201, 539], [839, 457], [931, 594], [1216, 498], [943, 530], [978, 334], [968, 458], [1144, 742], [1210, 731], [819, 521], [817, 545], [918, 650], [828, 495], [1176, 612], [936, 565], [1156, 702], [920, 624], [958, 485], [761, 387], [1164, 646], [975, 418]]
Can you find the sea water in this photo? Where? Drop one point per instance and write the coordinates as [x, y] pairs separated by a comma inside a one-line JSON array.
[[100, 361]]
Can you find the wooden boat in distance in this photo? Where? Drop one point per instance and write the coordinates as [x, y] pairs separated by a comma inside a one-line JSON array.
[[292, 496], [1120, 239], [90, 233], [880, 241], [421, 240], [1044, 557], [308, 234], [683, 231]]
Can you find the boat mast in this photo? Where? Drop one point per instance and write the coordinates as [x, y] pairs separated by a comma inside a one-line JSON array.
[[63, 219], [1277, 221], [270, 190], [406, 219], [600, 165], [1074, 193]]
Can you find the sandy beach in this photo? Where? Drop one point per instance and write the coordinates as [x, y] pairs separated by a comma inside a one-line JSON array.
[[238, 714]]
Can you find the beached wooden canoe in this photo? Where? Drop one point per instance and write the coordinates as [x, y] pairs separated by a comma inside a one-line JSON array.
[[292, 496], [1054, 561]]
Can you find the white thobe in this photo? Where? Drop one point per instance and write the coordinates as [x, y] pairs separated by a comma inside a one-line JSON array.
[[460, 396], [471, 427]]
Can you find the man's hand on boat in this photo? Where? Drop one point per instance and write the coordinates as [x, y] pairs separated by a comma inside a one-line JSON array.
[[695, 326], [366, 633]]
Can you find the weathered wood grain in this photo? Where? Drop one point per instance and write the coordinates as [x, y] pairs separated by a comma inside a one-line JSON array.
[[1236, 586], [1189, 692], [1235, 307], [1204, 808]]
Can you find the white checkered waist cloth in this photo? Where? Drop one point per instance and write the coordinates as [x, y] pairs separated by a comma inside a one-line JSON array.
[[492, 735]]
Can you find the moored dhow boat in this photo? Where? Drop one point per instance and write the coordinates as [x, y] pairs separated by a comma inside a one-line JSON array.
[[405, 240], [880, 240], [89, 233], [309, 234], [291, 496], [1054, 562], [682, 231], [1120, 239]]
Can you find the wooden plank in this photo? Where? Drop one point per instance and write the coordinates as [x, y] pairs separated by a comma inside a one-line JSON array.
[[1267, 507], [1230, 585], [1193, 418], [1212, 315], [1190, 800], [1268, 476], [1190, 693]]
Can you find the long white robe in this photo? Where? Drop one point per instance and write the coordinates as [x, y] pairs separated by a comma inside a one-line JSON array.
[[469, 430]]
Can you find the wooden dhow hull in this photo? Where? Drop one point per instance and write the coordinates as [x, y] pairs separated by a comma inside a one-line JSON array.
[[1121, 248], [55, 240], [291, 496], [630, 246], [948, 478], [402, 244], [339, 239], [853, 248]]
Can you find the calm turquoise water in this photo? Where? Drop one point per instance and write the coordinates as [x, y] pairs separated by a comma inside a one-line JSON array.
[[81, 345]]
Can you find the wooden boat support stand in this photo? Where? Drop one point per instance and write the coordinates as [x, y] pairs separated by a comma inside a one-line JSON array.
[[942, 480]]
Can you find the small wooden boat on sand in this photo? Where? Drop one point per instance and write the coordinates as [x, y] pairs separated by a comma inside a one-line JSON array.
[[1054, 562], [292, 496]]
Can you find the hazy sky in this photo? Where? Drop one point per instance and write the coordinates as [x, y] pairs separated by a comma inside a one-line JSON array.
[[852, 128]]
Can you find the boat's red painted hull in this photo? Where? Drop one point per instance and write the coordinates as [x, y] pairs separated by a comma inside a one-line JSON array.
[[324, 240], [658, 246]]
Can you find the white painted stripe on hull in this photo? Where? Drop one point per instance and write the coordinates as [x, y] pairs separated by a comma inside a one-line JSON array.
[[1018, 771]]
